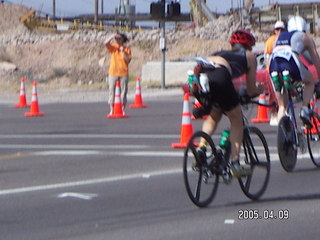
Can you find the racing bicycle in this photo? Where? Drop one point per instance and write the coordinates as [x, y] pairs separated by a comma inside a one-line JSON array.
[[291, 137], [201, 175]]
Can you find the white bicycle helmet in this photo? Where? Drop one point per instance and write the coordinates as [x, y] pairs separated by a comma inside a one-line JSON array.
[[297, 23]]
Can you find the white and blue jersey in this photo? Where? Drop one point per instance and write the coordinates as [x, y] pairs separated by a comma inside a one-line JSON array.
[[285, 55]]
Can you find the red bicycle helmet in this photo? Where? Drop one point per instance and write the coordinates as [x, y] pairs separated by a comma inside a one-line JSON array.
[[243, 37]]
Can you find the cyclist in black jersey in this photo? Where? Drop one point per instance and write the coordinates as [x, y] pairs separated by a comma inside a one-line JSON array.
[[224, 99]]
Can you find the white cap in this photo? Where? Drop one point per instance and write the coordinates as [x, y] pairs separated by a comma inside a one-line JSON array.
[[279, 25]]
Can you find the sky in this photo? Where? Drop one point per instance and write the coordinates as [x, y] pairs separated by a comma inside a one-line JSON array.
[[78, 7]]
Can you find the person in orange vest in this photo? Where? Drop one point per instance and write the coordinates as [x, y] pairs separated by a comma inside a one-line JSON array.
[[119, 66]]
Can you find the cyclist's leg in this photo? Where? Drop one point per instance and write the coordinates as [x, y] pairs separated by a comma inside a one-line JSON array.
[[278, 65], [301, 72], [282, 103], [211, 122], [272, 99], [308, 88], [236, 131], [236, 136]]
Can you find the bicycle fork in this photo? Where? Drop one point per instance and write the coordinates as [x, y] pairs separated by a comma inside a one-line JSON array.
[[299, 140]]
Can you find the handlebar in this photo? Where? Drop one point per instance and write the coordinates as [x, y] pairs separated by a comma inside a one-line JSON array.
[[270, 105], [246, 99]]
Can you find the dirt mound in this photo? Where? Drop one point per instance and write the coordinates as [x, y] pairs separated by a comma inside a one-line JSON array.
[[65, 61], [9, 18]]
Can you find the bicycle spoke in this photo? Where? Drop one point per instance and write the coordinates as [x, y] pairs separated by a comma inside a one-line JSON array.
[[198, 187]]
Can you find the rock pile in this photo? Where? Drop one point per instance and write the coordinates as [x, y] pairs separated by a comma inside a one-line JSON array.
[[15, 33]]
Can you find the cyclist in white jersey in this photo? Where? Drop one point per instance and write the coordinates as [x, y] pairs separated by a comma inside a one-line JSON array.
[[285, 56]]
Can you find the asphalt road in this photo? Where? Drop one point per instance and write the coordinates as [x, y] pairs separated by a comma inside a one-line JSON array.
[[74, 174]]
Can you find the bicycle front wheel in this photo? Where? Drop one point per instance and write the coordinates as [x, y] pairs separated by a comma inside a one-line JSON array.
[[313, 140], [287, 144], [201, 183], [256, 154]]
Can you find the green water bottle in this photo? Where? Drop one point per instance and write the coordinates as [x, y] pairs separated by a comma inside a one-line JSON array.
[[286, 79], [275, 80], [190, 78], [224, 139]]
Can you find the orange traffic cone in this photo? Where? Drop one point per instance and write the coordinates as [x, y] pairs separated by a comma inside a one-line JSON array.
[[262, 114], [117, 105], [34, 107], [22, 98], [138, 98], [186, 126]]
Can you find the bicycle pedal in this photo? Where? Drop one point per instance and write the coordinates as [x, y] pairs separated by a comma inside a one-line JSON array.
[[226, 176]]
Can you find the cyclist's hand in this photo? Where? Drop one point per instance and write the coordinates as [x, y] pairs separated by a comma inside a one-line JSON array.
[[243, 95], [200, 112]]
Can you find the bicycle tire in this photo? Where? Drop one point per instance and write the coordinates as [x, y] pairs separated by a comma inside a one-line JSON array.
[[287, 144], [254, 185], [313, 141], [200, 182]]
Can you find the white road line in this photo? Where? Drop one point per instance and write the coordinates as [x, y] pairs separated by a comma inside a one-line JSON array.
[[102, 136], [88, 182], [144, 175], [83, 196], [229, 221], [86, 136], [71, 147]]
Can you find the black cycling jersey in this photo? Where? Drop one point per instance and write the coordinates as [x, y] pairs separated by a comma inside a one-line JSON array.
[[237, 60]]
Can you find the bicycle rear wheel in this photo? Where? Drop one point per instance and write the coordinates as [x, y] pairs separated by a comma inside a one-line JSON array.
[[287, 144], [201, 183], [256, 154], [313, 141]]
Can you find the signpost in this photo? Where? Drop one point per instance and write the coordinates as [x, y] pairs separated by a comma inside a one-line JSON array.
[[157, 11]]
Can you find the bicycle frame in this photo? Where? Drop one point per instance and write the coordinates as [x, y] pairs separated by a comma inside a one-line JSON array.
[[292, 116]]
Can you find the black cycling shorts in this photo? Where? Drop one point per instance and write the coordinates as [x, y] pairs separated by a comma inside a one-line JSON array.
[[223, 93]]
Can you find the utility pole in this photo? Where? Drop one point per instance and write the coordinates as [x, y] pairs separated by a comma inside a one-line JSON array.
[[96, 11], [54, 10], [163, 48], [101, 7]]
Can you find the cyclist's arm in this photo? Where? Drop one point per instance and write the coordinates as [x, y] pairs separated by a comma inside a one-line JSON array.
[[252, 89], [311, 47]]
